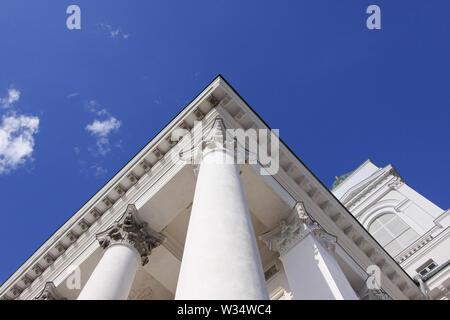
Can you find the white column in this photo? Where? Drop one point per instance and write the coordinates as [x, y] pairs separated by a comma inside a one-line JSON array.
[[305, 250], [127, 243], [221, 258], [114, 274], [313, 273]]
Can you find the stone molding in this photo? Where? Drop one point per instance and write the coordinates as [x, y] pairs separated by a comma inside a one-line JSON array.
[[365, 188], [129, 230], [147, 169], [292, 230]]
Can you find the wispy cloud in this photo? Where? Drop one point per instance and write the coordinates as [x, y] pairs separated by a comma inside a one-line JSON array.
[[71, 95], [13, 96], [16, 135], [113, 32], [98, 170], [102, 128]]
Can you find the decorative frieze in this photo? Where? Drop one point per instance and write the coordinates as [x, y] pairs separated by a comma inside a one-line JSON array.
[[95, 213], [71, 236], [108, 202], [132, 177], [294, 229], [145, 165], [37, 269], [213, 101], [128, 230], [16, 291], [49, 259], [120, 190], [27, 280], [198, 114], [83, 225], [60, 248], [158, 153]]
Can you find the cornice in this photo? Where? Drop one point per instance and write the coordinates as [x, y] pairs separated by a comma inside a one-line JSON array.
[[102, 203], [302, 185], [361, 192], [294, 177], [422, 246]]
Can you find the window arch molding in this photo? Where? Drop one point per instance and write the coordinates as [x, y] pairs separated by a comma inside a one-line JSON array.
[[392, 232], [382, 207], [385, 206]]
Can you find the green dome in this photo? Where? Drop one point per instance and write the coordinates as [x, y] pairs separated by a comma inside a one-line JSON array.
[[340, 179]]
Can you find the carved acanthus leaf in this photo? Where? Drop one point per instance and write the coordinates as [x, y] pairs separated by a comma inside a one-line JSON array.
[[129, 230], [297, 226]]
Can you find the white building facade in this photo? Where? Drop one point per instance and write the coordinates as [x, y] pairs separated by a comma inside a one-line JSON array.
[[412, 229], [185, 220]]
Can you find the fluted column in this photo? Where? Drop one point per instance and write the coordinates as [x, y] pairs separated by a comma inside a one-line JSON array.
[[127, 244], [221, 258], [306, 253]]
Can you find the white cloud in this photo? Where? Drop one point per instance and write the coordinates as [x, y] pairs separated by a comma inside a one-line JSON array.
[[16, 135], [101, 130], [16, 140], [13, 96]]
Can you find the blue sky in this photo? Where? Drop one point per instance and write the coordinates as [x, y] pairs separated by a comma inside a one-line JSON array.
[[76, 105]]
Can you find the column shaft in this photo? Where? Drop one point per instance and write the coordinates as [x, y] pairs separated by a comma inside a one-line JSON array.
[[114, 274], [221, 258], [313, 273]]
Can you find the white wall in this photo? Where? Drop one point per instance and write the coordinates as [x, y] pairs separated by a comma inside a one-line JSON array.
[[391, 195]]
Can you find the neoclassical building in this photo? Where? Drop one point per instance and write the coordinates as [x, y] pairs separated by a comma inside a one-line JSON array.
[[196, 215], [412, 229]]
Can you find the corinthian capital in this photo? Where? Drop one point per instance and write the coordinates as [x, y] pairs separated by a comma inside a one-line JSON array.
[[216, 136], [297, 226], [130, 231]]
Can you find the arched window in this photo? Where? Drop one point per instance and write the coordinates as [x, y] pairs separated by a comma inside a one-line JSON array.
[[392, 233]]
